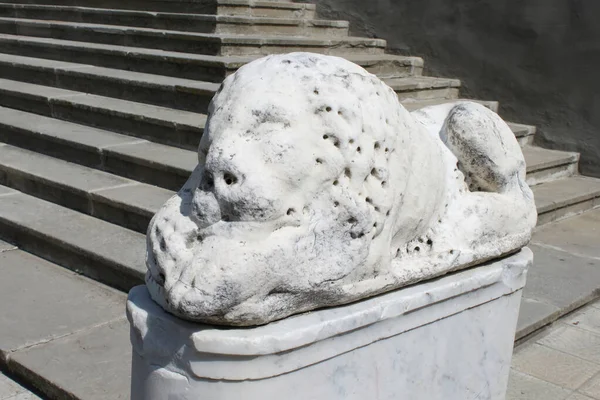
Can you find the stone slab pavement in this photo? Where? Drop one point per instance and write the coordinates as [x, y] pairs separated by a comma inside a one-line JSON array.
[[560, 363], [566, 271], [11, 390]]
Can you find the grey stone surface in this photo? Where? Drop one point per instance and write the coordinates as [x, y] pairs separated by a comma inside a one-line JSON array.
[[533, 315], [177, 21], [150, 162], [214, 44], [566, 354], [553, 366], [571, 340], [103, 195], [578, 236], [93, 364], [524, 387], [578, 396], [592, 387], [561, 279], [80, 242], [8, 387], [25, 396], [183, 65], [55, 303], [136, 119], [18, 163], [562, 192], [4, 246], [140, 198]]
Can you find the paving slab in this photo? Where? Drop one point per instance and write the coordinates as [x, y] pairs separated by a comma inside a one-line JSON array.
[[524, 387], [93, 365], [175, 127], [5, 246], [119, 154], [106, 196], [587, 318], [566, 197], [592, 388], [25, 396], [578, 396], [557, 283], [8, 387], [572, 340], [533, 315], [553, 366], [559, 278], [44, 301]]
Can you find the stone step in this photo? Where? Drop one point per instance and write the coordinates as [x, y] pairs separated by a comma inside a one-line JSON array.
[[111, 198], [545, 165], [524, 133], [202, 23], [272, 9], [159, 124], [189, 42], [98, 249], [177, 93], [181, 65], [424, 88], [184, 94], [70, 84], [144, 161], [62, 334], [565, 274], [414, 104], [566, 197], [152, 163]]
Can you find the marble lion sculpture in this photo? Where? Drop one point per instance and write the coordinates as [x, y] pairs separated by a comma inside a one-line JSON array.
[[316, 187]]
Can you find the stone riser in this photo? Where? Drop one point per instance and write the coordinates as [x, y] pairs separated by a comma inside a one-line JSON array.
[[87, 203], [119, 57], [568, 211], [204, 68], [79, 110], [544, 175], [249, 8], [206, 44], [112, 86], [183, 22], [431, 94], [89, 191], [269, 12]]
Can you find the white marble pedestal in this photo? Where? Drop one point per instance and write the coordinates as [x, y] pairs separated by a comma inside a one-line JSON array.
[[447, 339]]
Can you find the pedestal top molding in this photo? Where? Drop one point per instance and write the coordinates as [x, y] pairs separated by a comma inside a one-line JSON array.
[[315, 187], [302, 340]]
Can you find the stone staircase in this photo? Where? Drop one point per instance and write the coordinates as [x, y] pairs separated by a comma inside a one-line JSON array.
[[102, 106]]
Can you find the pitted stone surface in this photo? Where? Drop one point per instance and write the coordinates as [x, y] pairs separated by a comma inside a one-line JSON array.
[[315, 187]]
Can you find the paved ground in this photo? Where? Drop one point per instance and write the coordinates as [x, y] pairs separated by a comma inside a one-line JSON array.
[[561, 363], [11, 390], [566, 270]]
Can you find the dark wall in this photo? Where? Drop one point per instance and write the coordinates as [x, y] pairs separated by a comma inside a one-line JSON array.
[[539, 58]]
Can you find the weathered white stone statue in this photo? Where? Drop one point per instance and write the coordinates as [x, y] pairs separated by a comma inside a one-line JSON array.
[[316, 188]]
